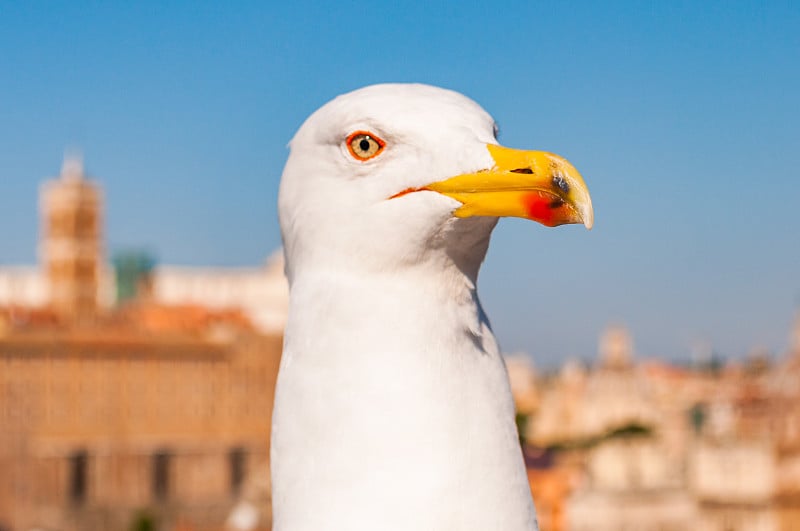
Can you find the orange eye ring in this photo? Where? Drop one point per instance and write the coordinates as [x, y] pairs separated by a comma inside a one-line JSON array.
[[364, 145]]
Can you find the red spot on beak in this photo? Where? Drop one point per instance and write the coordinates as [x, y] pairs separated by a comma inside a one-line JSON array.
[[540, 207]]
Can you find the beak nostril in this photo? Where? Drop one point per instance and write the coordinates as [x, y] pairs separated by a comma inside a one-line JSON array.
[[560, 183], [527, 171]]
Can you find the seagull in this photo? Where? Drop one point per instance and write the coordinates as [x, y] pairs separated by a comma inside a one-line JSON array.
[[393, 409]]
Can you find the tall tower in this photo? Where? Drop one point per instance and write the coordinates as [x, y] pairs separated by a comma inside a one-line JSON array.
[[71, 241]]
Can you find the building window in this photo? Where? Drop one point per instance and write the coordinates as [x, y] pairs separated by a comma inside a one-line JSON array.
[[237, 460], [161, 461], [78, 477]]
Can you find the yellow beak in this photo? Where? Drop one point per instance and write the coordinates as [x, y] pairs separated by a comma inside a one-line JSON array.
[[526, 184]]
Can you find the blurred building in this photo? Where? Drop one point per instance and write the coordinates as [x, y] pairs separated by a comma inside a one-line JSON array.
[[649, 446], [71, 244], [75, 279], [153, 413]]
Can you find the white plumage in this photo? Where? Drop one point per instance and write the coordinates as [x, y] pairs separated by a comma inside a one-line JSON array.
[[393, 409]]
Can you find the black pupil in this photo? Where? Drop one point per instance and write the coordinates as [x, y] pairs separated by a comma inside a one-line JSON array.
[[364, 144]]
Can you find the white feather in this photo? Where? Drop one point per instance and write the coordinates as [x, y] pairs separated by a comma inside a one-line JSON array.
[[393, 409]]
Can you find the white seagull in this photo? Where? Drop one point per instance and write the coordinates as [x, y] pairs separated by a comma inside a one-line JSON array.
[[393, 409]]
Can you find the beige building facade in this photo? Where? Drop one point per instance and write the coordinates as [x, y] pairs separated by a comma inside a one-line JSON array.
[[99, 424]]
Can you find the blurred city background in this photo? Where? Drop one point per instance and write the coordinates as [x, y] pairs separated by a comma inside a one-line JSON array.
[[142, 297]]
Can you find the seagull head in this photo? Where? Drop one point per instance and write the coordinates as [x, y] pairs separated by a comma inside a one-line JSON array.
[[394, 175]]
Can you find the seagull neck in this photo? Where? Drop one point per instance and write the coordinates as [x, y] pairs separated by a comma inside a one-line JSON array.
[[392, 393], [421, 288]]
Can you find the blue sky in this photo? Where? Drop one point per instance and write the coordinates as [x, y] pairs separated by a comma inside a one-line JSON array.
[[682, 117]]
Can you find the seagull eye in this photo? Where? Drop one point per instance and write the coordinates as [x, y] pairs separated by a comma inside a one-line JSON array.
[[363, 145]]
